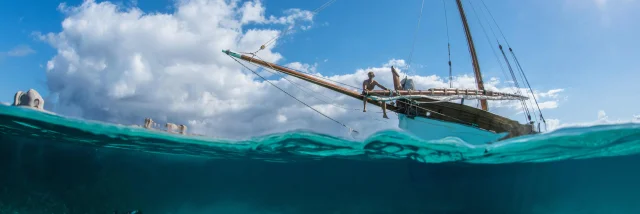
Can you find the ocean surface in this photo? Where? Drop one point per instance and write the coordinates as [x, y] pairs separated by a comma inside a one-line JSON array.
[[54, 164]]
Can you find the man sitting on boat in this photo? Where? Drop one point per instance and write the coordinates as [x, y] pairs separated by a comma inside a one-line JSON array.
[[368, 85]]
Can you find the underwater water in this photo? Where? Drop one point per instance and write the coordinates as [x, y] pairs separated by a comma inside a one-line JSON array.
[[53, 164]]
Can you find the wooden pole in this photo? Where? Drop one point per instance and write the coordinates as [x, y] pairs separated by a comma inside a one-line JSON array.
[[472, 50], [443, 92], [310, 79]]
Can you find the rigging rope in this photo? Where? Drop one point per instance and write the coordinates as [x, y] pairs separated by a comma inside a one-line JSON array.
[[522, 79], [515, 81], [272, 40], [497, 41], [415, 35], [505, 39], [274, 71], [377, 100], [491, 44], [530, 89], [300, 87], [324, 78], [496, 23], [280, 74], [256, 73], [517, 63], [526, 109], [446, 21]]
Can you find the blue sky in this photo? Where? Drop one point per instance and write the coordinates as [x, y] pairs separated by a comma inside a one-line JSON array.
[[589, 48]]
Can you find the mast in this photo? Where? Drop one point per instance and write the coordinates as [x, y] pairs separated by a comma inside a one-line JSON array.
[[472, 50]]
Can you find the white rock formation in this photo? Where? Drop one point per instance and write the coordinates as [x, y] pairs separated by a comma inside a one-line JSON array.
[[31, 98], [148, 123], [183, 129], [170, 127]]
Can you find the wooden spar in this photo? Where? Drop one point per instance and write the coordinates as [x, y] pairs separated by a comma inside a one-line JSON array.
[[443, 92], [310, 79], [472, 50]]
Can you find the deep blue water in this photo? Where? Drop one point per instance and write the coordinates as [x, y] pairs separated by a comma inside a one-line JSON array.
[[52, 164]]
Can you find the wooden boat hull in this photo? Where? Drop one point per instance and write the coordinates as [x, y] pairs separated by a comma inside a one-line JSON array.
[[466, 117], [432, 129]]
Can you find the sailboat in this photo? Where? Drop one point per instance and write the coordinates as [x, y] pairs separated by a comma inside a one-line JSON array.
[[429, 114]]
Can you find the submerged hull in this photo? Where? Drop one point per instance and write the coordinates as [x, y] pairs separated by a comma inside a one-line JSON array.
[[431, 129]]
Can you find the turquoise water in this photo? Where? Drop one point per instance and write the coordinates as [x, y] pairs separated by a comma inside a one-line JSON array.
[[53, 164], [573, 143]]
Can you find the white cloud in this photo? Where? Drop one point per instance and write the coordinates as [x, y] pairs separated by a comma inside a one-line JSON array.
[[602, 119], [548, 105], [307, 27], [254, 12], [19, 51], [292, 16], [302, 67], [553, 93], [602, 116], [399, 63], [122, 65]]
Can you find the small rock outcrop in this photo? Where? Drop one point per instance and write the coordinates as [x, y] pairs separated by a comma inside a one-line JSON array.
[[183, 129], [148, 123], [31, 98], [170, 127]]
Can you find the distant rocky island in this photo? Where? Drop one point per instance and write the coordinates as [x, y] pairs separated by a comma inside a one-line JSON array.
[[33, 100]]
